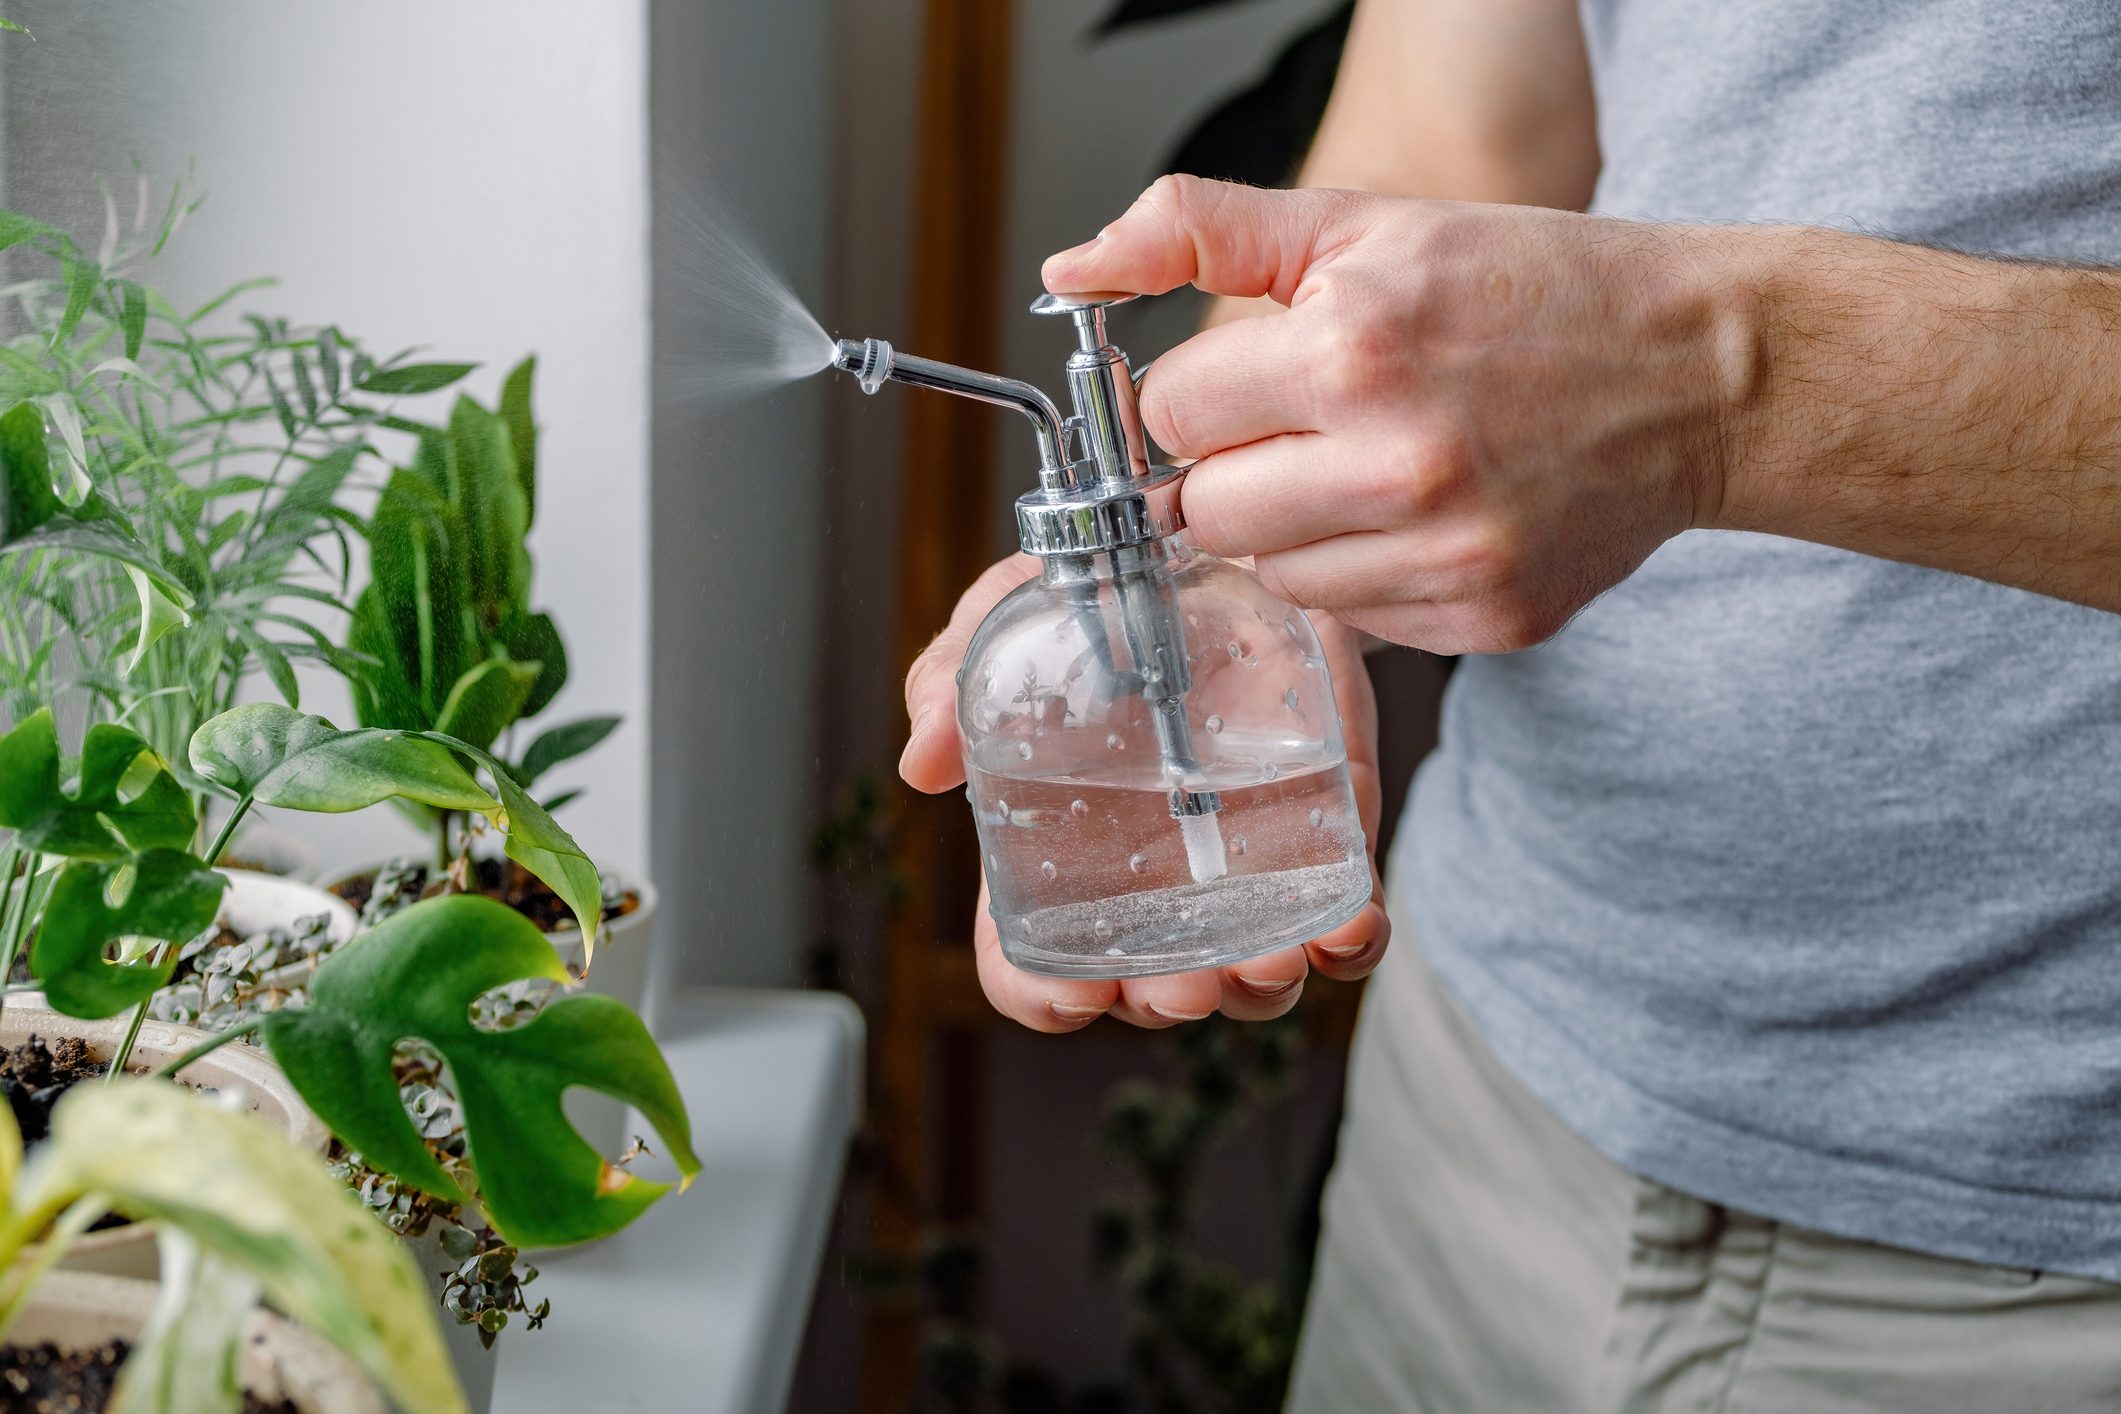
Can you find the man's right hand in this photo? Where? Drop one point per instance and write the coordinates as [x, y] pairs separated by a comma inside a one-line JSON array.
[[1254, 990]]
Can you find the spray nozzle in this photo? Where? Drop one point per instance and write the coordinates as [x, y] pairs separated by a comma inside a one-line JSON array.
[[1106, 500]]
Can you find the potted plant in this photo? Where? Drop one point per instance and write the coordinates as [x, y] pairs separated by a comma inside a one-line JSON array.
[[445, 638], [241, 1213], [108, 884]]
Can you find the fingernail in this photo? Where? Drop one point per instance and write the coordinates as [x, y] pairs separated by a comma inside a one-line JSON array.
[[1344, 951], [1074, 1012], [1259, 987], [1167, 1014]]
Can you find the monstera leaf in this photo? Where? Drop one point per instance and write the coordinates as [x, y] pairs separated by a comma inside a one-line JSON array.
[[275, 755], [414, 977], [125, 800], [159, 1152], [163, 894]]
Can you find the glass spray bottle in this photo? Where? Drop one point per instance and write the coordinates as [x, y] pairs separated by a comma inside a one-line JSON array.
[[1151, 745]]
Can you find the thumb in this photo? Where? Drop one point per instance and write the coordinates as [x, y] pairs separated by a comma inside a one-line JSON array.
[[1225, 238]]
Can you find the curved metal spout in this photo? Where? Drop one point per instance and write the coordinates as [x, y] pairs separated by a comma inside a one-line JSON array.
[[874, 362]]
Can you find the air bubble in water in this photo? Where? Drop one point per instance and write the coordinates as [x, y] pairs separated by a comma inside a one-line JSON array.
[[1152, 674], [994, 862], [1291, 698], [1236, 651], [1048, 870], [1137, 862], [1102, 927], [1214, 724], [1023, 750], [1238, 845], [1115, 742], [1318, 818], [1003, 807], [1269, 771]]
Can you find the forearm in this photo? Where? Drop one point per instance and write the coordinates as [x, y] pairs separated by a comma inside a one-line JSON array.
[[1924, 406]]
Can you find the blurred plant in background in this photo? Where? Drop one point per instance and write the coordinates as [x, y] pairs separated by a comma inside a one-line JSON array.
[[1260, 134]]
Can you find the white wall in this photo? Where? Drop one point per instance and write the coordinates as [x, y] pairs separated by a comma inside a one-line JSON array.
[[742, 103], [468, 175]]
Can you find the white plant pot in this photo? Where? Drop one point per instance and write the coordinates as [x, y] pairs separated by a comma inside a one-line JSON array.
[[236, 1070], [619, 971], [280, 1360], [268, 849], [252, 903]]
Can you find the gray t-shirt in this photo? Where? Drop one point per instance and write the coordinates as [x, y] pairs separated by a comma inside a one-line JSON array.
[[1789, 877]]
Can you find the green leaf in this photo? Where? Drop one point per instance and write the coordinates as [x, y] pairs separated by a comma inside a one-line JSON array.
[[533, 839], [562, 743], [413, 377], [81, 277], [278, 756], [65, 416], [384, 695], [25, 473], [11, 25], [486, 700], [159, 614], [536, 638], [161, 1153], [415, 975], [104, 539], [522, 432], [273, 659], [495, 515], [164, 894], [187, 1359], [126, 800], [417, 575], [132, 315]]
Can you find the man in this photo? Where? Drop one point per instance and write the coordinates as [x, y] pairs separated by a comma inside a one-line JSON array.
[[1759, 1047]]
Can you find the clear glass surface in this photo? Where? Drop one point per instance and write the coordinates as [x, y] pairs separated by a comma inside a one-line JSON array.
[[1088, 871]]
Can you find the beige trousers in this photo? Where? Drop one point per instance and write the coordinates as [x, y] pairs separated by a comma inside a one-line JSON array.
[[1479, 1258]]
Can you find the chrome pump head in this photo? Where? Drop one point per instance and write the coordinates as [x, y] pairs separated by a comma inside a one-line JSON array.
[[1097, 494]]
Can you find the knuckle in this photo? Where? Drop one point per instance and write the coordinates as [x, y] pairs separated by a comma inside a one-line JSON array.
[[1356, 365]]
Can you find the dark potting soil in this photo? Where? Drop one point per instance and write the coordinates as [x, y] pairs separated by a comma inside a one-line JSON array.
[[502, 879], [55, 1379], [36, 1073], [33, 1076]]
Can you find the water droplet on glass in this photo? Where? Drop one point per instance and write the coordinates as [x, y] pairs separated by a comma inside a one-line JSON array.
[[1137, 862], [1291, 698], [1023, 749], [1269, 771], [1115, 742], [1318, 817], [1078, 808], [1102, 927], [1048, 870], [1214, 724]]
